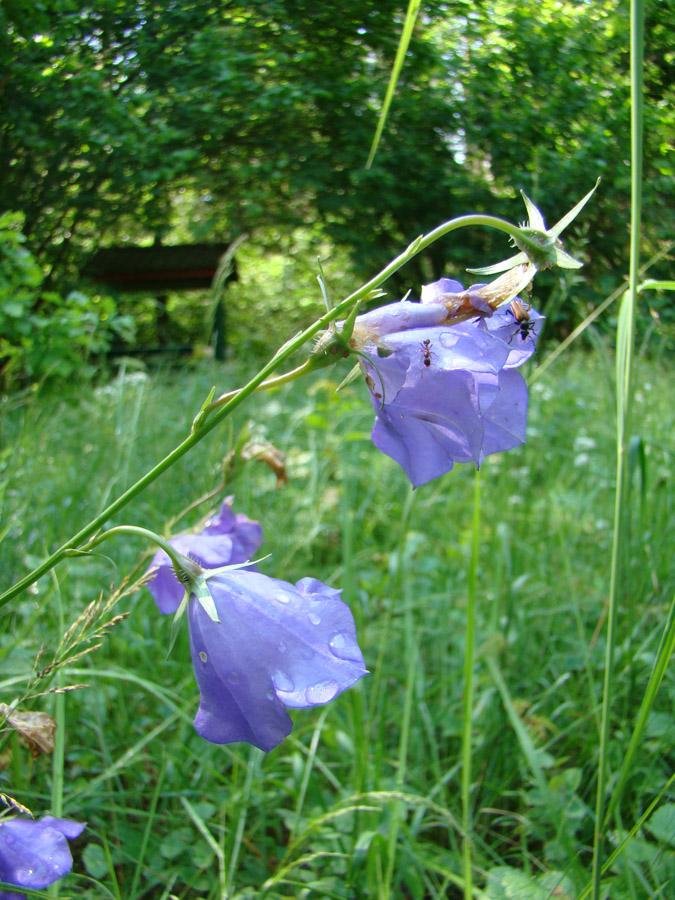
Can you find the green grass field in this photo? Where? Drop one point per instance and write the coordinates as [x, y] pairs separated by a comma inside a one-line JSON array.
[[363, 800]]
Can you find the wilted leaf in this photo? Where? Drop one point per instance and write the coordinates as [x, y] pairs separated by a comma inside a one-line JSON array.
[[37, 728]]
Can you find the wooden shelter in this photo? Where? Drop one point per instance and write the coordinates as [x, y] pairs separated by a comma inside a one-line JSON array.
[[161, 270]]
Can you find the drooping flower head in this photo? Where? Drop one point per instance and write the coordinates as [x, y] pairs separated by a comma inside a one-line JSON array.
[[258, 644], [276, 645], [448, 392], [226, 539], [35, 854]]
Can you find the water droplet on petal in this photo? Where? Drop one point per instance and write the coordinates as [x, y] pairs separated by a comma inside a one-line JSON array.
[[282, 682], [282, 646], [314, 619], [202, 656], [270, 695], [281, 597], [322, 692], [233, 677], [344, 647]]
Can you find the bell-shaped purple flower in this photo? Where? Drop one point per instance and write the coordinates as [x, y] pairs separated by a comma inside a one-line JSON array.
[[225, 540], [35, 854], [276, 646], [449, 393]]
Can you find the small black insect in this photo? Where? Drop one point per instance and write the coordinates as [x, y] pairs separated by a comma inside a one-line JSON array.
[[521, 314], [426, 352]]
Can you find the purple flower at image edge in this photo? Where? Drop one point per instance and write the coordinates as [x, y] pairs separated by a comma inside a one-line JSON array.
[[226, 539], [277, 645], [35, 854], [449, 393]]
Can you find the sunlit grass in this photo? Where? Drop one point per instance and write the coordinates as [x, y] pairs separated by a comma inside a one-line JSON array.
[[364, 798]]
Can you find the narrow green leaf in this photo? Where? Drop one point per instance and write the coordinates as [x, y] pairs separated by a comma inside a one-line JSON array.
[[653, 285], [406, 34]]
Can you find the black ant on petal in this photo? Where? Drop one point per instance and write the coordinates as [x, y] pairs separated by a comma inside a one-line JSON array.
[[521, 314], [426, 352]]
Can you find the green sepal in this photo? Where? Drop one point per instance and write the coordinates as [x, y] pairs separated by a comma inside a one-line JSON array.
[[534, 216], [348, 326], [199, 587], [563, 259], [203, 594], [209, 573], [539, 246], [330, 347], [354, 373], [175, 624], [502, 266], [562, 224], [333, 344], [200, 418], [375, 294]]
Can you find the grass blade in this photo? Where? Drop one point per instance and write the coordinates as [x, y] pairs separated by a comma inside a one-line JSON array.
[[406, 34]]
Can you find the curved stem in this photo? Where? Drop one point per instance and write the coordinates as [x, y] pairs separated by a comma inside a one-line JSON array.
[[304, 369], [134, 529], [287, 350]]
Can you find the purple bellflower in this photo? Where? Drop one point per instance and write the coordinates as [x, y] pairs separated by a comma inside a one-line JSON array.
[[258, 644], [448, 392], [275, 645], [35, 854], [226, 539]]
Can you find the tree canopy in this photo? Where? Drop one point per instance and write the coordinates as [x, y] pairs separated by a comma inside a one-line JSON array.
[[119, 117]]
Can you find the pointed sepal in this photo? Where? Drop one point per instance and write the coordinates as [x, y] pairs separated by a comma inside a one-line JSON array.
[[502, 266], [560, 226]]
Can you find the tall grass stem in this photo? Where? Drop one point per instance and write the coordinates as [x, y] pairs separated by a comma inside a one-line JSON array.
[[59, 752], [467, 713], [624, 360]]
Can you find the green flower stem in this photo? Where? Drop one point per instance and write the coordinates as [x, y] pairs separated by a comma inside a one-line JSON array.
[[288, 349], [304, 369], [133, 529]]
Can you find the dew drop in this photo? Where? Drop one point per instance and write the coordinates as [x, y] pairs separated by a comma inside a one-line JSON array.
[[322, 692], [343, 646], [282, 598], [270, 695], [233, 677], [202, 656], [282, 646], [314, 619], [283, 683]]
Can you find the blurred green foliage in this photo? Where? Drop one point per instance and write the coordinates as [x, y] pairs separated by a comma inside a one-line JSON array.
[[134, 120], [43, 334]]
